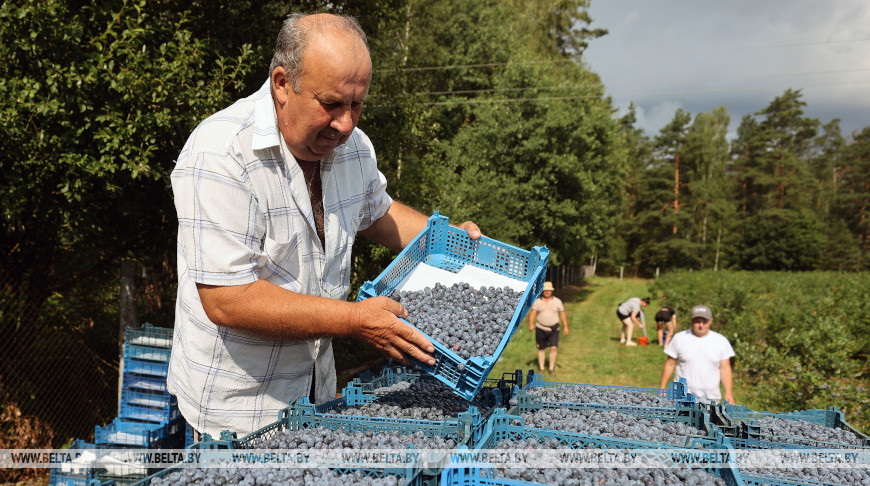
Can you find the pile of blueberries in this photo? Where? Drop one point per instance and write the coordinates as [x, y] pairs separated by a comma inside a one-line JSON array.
[[599, 394], [420, 400], [821, 475], [787, 430], [316, 438], [231, 475], [601, 476], [469, 321], [612, 424]]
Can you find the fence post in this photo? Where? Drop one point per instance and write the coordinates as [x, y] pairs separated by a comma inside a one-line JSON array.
[[620, 272], [128, 297], [128, 315]]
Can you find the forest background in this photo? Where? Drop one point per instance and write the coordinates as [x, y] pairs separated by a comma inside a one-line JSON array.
[[482, 110]]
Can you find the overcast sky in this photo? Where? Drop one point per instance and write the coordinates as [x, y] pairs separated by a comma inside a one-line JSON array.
[[699, 54]]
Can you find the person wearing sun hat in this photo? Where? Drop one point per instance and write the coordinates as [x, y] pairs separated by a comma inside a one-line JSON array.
[[544, 317], [702, 357]]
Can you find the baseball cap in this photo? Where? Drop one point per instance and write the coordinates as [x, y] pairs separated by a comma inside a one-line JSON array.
[[701, 311]]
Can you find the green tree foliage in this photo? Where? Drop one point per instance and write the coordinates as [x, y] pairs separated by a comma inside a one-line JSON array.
[[97, 100], [523, 144], [773, 169], [851, 204], [789, 194], [95, 108], [779, 239], [682, 198], [779, 229]]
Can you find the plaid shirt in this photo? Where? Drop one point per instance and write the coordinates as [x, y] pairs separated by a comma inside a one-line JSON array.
[[244, 214]]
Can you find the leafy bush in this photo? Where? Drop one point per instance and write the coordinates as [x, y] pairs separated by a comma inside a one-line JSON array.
[[800, 339]]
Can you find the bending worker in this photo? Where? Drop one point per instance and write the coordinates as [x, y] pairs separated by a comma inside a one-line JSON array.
[[628, 313]]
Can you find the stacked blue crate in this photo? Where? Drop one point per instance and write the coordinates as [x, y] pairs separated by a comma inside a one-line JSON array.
[[149, 416], [79, 472]]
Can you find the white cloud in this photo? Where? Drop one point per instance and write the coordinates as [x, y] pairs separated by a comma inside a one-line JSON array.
[[698, 55]]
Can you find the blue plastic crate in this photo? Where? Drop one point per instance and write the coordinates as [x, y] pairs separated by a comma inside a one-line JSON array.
[[413, 480], [677, 393], [766, 480], [389, 376], [479, 409], [147, 368], [480, 474], [146, 398], [831, 418], [77, 473], [125, 433], [449, 248], [58, 478], [302, 414], [147, 383], [505, 426], [398, 374], [189, 439], [693, 415], [147, 353], [148, 407], [149, 335]]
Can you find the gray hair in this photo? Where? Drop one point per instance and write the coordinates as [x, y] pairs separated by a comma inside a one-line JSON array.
[[293, 40]]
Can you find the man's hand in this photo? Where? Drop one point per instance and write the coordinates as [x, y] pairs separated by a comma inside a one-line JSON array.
[[473, 230], [378, 325]]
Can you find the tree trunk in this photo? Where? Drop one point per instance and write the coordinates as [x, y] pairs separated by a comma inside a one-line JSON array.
[[676, 189]]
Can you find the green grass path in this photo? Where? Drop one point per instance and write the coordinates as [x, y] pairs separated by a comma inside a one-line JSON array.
[[591, 352]]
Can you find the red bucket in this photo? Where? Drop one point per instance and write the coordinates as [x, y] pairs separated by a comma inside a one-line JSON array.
[[643, 340]]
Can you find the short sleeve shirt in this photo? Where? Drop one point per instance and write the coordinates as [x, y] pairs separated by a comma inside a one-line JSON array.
[[629, 307], [244, 214], [548, 312], [698, 362]]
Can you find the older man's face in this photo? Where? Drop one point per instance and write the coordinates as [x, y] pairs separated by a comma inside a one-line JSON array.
[[335, 83]]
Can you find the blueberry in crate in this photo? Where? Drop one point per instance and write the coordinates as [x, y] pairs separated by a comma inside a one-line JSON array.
[[504, 277]]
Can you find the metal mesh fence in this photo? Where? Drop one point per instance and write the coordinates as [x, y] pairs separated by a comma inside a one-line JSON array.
[[63, 374]]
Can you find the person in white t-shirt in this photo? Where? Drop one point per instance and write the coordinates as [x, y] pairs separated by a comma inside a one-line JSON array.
[[544, 317], [702, 357]]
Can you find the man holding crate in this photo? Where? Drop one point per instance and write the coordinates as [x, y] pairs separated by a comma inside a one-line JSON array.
[[270, 194]]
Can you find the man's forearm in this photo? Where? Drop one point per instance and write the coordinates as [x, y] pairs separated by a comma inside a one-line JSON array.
[[727, 378], [667, 372], [397, 227], [269, 311]]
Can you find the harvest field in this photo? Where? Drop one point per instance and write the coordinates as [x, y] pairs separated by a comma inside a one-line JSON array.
[[801, 339]]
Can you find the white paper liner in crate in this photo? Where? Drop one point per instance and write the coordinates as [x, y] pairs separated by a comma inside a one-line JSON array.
[[425, 275]]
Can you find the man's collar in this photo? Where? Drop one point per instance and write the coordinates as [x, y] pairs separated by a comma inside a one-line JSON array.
[[266, 133]]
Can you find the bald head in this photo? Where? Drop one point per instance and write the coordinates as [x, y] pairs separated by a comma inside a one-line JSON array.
[[299, 30]]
